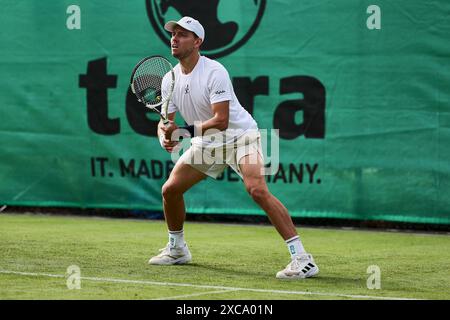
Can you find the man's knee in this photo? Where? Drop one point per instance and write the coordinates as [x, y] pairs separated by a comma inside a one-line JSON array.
[[170, 190], [258, 192]]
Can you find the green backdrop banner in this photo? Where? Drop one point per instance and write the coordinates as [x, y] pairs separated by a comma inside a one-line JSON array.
[[359, 91]]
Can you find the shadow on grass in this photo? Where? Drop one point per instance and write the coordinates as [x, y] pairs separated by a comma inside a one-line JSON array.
[[258, 276], [217, 271]]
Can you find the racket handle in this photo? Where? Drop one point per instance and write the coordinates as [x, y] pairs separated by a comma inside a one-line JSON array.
[[165, 122]]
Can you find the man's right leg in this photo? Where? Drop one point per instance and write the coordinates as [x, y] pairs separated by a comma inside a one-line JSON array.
[[181, 179]]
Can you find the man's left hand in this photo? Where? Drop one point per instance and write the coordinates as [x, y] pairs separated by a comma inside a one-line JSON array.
[[171, 127]]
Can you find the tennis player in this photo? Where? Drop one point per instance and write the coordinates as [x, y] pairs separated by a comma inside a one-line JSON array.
[[223, 134]]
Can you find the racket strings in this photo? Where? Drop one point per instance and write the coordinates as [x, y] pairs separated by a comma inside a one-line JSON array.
[[148, 78]]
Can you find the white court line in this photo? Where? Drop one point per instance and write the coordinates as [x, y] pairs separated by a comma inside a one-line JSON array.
[[195, 294], [155, 283]]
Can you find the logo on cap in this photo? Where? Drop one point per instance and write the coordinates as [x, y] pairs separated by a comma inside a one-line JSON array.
[[223, 36]]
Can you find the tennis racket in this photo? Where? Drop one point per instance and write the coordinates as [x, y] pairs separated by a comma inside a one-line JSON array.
[[147, 81]]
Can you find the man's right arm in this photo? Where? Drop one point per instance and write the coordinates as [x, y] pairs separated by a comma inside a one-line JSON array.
[[171, 117], [165, 143]]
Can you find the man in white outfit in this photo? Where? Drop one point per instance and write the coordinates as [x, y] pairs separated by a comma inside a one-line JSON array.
[[223, 134]]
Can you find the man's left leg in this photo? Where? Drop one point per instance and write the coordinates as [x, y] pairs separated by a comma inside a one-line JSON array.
[[302, 265]]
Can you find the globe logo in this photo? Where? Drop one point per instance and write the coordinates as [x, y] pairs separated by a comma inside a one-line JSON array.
[[227, 28]]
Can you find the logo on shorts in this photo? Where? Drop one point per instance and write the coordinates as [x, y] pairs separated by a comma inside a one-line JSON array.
[[222, 36], [220, 92]]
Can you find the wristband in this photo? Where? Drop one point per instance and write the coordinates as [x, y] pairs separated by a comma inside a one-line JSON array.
[[161, 139], [190, 129]]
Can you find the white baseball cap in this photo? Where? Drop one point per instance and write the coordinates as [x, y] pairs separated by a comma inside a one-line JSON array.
[[187, 23]]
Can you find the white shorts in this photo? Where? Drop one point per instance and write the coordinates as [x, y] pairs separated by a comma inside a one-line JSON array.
[[212, 161]]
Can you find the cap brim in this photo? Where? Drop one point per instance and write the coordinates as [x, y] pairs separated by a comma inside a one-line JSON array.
[[169, 26]]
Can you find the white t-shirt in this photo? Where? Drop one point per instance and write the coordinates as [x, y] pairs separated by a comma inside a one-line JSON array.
[[194, 93]]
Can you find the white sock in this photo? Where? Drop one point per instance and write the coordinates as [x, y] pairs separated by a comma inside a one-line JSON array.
[[295, 246], [176, 239]]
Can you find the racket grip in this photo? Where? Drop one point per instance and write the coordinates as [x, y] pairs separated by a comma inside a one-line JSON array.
[[165, 122]]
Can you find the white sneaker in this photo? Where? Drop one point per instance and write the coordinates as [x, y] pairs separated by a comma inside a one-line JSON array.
[[300, 267], [169, 256]]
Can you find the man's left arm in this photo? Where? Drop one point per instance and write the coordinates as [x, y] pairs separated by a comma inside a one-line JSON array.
[[219, 121]]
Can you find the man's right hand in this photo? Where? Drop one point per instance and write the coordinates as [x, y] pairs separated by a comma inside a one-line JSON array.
[[168, 145]]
